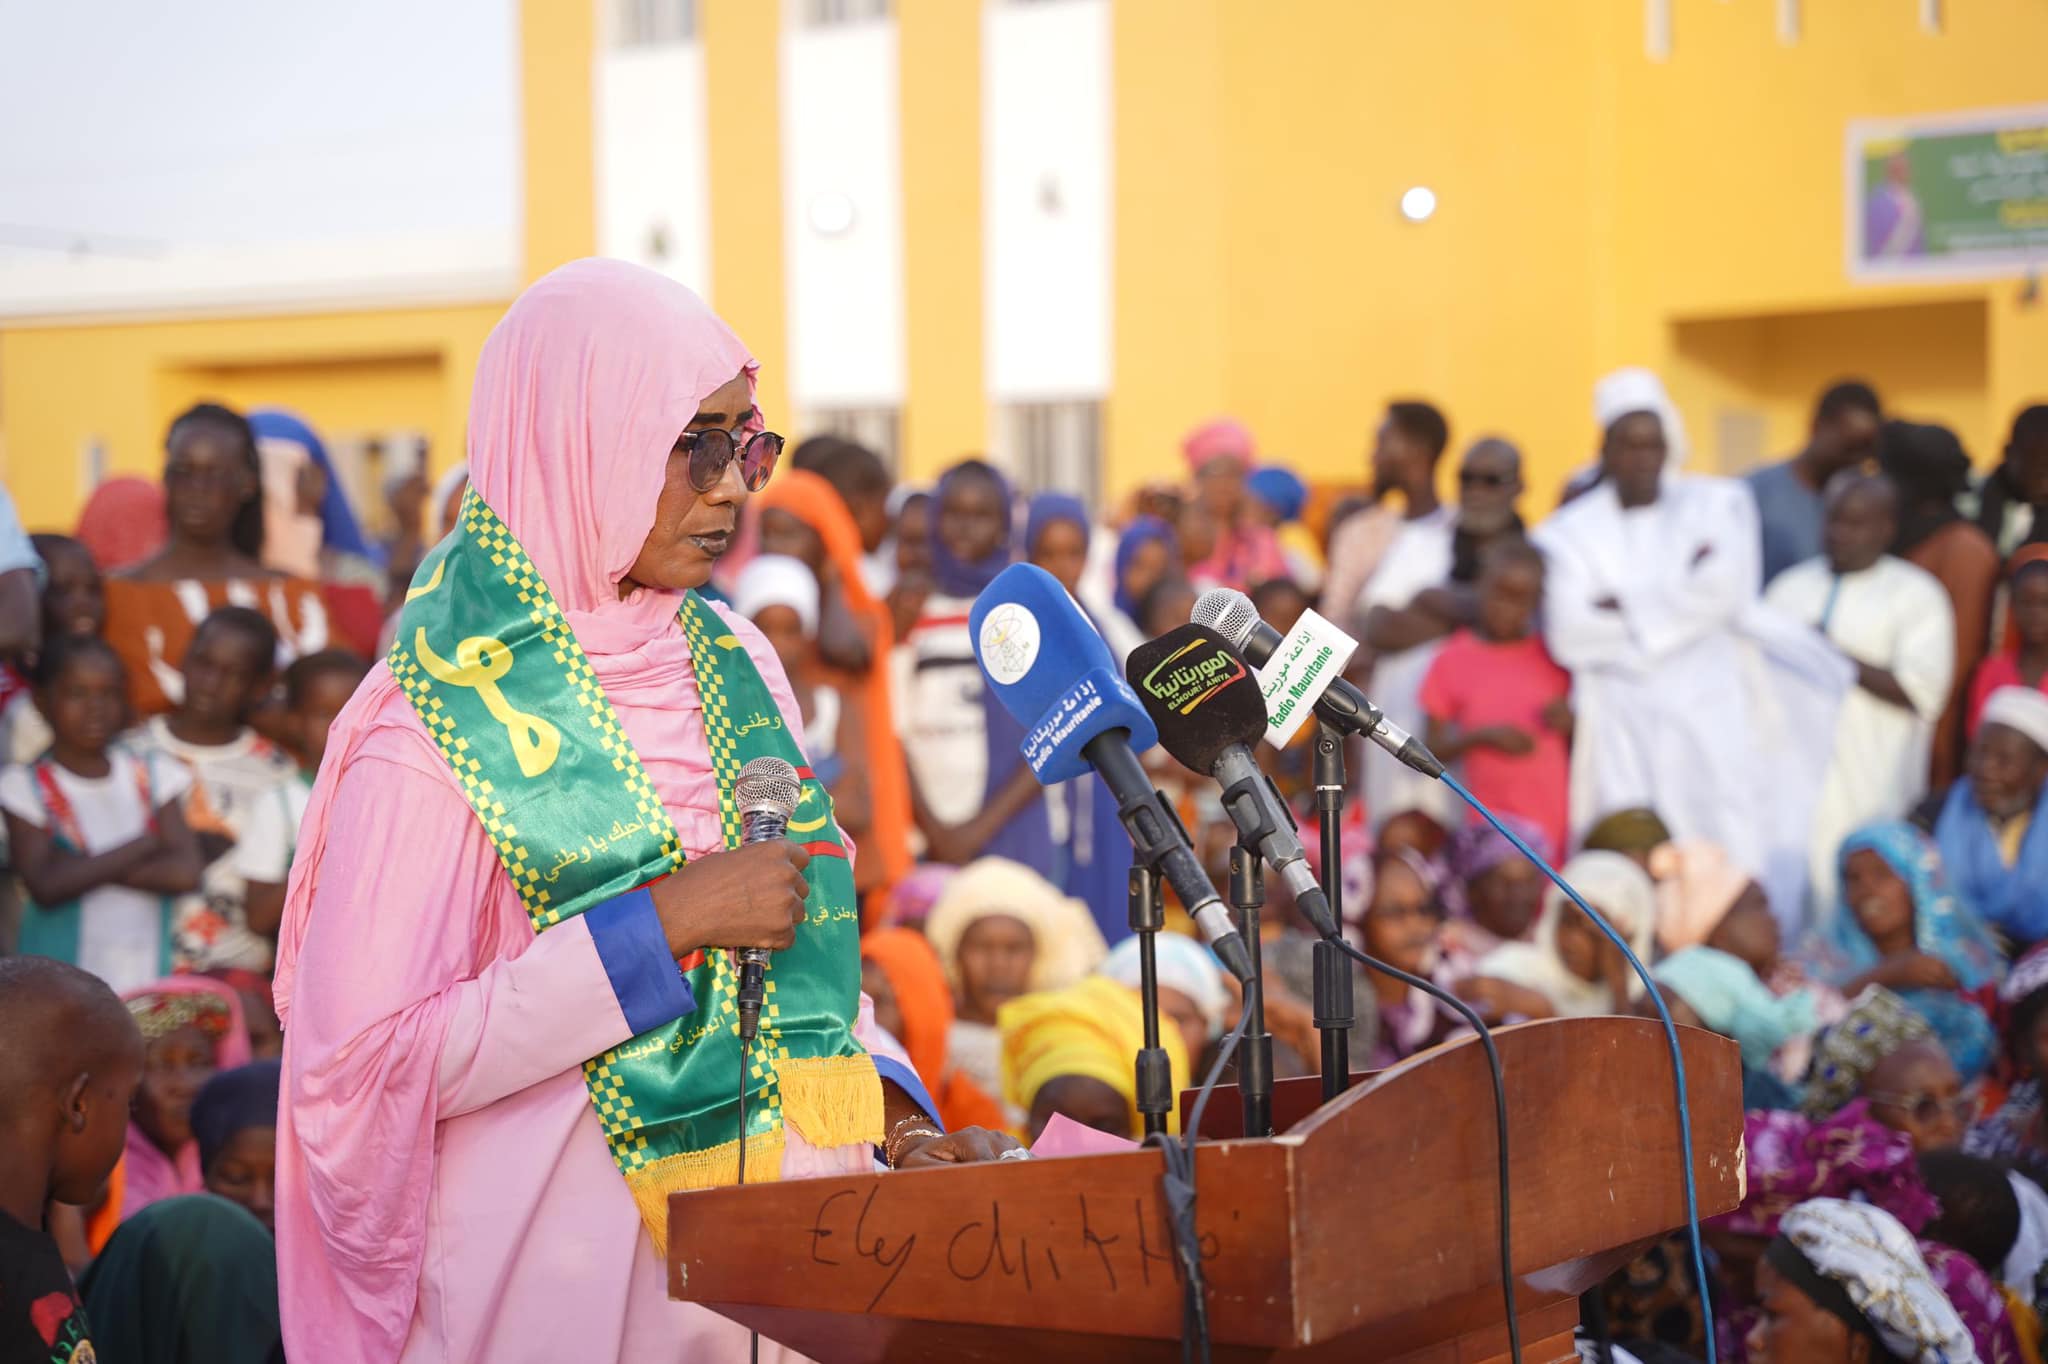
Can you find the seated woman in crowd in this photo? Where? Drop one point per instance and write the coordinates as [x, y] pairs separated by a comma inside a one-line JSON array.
[[1846, 1152], [1401, 926], [191, 1028], [2015, 1132], [1069, 1052], [1898, 926], [1194, 994], [1001, 930], [901, 974], [1728, 997], [1845, 1283], [2023, 659], [802, 516], [1491, 893], [1992, 829], [213, 492], [1571, 969]]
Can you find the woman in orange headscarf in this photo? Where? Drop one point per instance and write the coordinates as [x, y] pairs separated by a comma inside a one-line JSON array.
[[803, 516], [902, 974]]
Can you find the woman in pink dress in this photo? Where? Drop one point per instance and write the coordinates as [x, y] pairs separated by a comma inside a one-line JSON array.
[[448, 1186]]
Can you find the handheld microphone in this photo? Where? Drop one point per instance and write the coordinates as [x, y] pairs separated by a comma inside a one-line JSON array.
[[1205, 701], [1055, 676], [1299, 678], [767, 792]]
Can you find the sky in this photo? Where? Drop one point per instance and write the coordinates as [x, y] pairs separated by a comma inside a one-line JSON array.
[[144, 128]]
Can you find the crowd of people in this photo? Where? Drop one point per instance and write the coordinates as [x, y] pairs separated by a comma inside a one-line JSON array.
[[1789, 734]]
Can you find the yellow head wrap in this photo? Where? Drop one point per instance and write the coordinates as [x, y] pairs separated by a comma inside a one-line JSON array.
[[1094, 1029]]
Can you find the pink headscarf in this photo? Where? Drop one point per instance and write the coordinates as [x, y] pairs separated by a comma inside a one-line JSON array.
[[123, 522], [581, 391], [149, 1175], [1696, 887], [1225, 437]]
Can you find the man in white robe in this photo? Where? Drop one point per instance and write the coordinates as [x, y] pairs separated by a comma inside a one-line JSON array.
[[1892, 621], [1691, 697]]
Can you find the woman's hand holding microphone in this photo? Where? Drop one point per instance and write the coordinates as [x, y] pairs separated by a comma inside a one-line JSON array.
[[751, 896]]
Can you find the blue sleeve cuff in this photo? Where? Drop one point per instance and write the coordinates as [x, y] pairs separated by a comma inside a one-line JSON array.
[[649, 985], [905, 1079]]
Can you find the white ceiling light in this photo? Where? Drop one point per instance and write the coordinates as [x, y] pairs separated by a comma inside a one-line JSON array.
[[1418, 203], [830, 214]]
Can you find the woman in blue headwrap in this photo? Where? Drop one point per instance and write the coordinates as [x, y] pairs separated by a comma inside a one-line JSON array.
[[971, 792], [1092, 853], [1278, 499], [311, 531], [1148, 553], [1897, 925]]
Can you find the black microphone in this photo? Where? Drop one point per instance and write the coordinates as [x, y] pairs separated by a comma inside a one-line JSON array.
[[1207, 705], [1050, 669], [1232, 615], [767, 792]]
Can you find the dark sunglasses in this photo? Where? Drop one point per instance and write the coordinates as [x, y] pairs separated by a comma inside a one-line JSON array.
[[711, 452], [1472, 478], [1927, 1108]]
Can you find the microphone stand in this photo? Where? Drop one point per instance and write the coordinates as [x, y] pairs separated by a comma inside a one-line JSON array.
[[1335, 1014], [1255, 1049], [1155, 1078]]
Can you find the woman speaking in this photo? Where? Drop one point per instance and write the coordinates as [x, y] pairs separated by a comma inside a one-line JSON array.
[[510, 1029]]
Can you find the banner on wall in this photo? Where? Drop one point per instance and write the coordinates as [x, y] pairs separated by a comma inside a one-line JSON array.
[[1948, 196]]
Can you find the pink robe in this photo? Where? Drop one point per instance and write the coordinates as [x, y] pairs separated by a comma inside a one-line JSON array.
[[444, 1189]]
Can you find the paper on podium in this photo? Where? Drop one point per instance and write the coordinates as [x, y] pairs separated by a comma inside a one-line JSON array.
[[1065, 1137]]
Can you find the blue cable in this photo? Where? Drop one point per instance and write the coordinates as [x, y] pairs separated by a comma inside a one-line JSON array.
[[1692, 1200]]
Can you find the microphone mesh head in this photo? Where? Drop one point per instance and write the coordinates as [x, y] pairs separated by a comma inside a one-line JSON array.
[[1230, 614], [768, 784]]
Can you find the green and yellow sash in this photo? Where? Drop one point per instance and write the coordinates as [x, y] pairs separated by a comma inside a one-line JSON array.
[[493, 669]]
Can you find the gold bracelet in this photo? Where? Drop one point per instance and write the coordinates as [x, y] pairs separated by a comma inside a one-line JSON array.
[[894, 1140]]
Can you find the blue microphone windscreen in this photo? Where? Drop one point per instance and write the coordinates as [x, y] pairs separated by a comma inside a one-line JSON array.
[[1051, 670]]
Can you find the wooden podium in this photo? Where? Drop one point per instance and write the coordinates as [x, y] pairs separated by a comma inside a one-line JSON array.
[[1366, 1231]]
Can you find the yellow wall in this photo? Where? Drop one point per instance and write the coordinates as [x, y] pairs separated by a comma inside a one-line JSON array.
[[1597, 208], [939, 61], [119, 384], [557, 50], [740, 66], [1730, 158]]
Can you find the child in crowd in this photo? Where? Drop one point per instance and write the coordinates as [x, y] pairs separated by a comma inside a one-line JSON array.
[[234, 1122], [1571, 969], [228, 670], [191, 1028], [1499, 705], [68, 1073], [2023, 662], [98, 834], [74, 607], [780, 595]]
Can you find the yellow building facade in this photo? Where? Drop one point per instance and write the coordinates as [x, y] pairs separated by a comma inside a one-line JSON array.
[[1598, 205]]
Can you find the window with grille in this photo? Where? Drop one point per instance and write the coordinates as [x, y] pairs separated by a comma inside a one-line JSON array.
[[1054, 447], [878, 428], [824, 13], [653, 23]]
